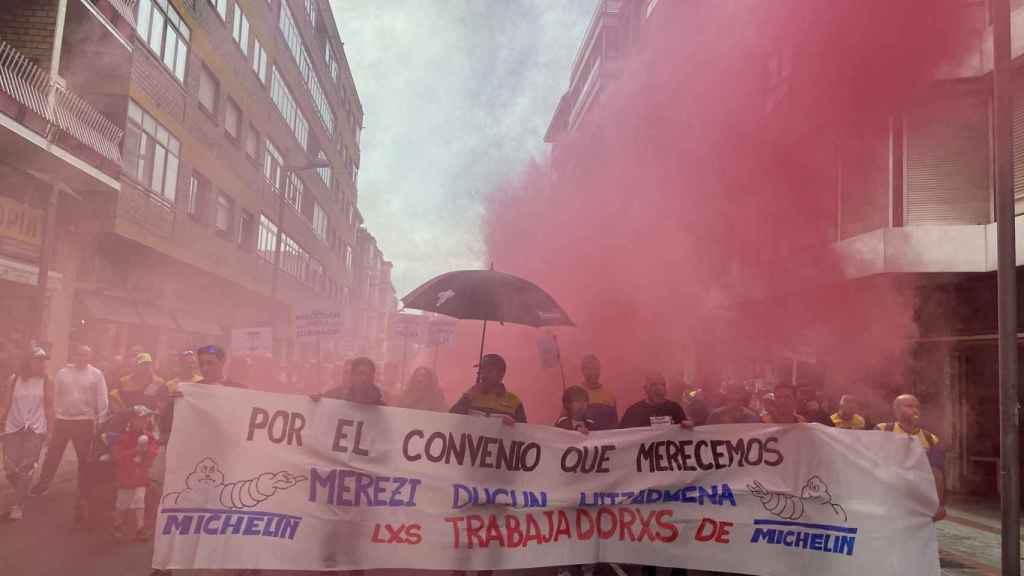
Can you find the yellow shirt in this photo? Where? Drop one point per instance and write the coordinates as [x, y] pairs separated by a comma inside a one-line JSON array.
[[854, 423], [926, 438]]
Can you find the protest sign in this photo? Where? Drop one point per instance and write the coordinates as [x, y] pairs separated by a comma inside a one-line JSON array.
[[261, 480], [311, 323], [256, 340]]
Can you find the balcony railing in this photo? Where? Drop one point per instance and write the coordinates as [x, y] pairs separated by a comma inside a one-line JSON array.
[[126, 8], [32, 87]]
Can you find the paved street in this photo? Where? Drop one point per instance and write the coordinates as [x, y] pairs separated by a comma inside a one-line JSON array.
[[968, 540]]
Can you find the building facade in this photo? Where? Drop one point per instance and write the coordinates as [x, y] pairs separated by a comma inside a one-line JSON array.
[[226, 194], [913, 204]]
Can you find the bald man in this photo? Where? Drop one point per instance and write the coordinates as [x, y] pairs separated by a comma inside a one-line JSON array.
[[906, 411]]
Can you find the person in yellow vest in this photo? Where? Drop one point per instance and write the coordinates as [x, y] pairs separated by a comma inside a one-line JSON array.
[[602, 407], [906, 411], [847, 416], [142, 387], [187, 371], [489, 397]]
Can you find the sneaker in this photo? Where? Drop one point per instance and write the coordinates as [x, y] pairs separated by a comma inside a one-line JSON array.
[[16, 513], [39, 489]]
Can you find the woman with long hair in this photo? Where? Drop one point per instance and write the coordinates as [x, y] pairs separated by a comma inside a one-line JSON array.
[[422, 392], [26, 417]]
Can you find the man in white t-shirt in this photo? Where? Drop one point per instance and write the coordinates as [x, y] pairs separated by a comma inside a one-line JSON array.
[[80, 403]]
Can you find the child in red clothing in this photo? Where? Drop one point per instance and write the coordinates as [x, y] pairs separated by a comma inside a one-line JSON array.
[[134, 452]]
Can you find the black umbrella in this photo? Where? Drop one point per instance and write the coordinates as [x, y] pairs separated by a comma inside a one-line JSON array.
[[489, 296]]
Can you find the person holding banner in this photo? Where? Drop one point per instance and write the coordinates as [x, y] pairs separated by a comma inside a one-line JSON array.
[[489, 396], [656, 409], [603, 409], [906, 410], [575, 404]]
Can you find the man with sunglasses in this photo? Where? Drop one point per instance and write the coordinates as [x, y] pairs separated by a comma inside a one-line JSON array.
[[211, 361]]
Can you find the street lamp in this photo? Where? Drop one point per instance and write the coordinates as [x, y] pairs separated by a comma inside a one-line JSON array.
[[286, 173]]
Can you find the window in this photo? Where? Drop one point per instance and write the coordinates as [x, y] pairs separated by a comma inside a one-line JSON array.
[[325, 173], [332, 62], [259, 60], [293, 192], [266, 241], [315, 276], [311, 12], [232, 119], [209, 89], [240, 29], [222, 216], [198, 188], [348, 258], [221, 6], [245, 229], [151, 153], [272, 166], [161, 28], [293, 39], [319, 222], [289, 110], [252, 142], [294, 259]]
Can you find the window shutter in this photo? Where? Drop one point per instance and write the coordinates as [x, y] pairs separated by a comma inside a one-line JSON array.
[[948, 162]]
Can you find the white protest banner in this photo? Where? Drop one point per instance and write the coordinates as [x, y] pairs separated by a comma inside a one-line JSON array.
[[261, 480], [311, 323]]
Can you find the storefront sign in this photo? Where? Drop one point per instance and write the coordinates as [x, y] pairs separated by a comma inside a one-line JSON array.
[[283, 482], [21, 229]]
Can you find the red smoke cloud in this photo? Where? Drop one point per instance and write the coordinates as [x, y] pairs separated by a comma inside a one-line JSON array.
[[686, 223]]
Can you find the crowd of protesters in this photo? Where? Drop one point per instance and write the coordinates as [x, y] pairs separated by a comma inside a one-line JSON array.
[[118, 418]]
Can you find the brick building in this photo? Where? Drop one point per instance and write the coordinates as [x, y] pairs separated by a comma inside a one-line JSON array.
[[221, 190]]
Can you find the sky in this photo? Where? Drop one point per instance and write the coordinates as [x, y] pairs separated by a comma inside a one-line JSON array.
[[457, 95]]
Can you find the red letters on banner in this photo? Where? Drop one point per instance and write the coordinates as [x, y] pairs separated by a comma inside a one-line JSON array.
[[711, 530], [521, 531]]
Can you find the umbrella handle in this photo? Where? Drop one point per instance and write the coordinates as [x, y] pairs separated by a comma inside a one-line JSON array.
[[483, 337]]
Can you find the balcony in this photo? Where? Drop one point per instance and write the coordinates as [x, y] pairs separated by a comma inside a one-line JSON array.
[[64, 75], [32, 88]]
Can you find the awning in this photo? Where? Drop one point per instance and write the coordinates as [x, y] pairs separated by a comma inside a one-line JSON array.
[[154, 316], [192, 324], [103, 307]]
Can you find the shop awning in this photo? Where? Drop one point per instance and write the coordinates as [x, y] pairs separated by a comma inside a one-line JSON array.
[[103, 307], [154, 316], [190, 323]]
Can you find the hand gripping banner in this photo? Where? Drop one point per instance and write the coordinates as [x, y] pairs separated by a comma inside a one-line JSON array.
[[272, 481]]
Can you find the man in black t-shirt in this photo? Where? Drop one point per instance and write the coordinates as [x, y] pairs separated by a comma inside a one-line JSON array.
[[656, 409]]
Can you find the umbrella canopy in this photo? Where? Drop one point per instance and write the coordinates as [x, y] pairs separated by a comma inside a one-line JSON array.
[[488, 295]]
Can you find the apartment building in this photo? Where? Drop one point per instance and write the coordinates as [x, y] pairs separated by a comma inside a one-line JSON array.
[[913, 204], [228, 198]]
